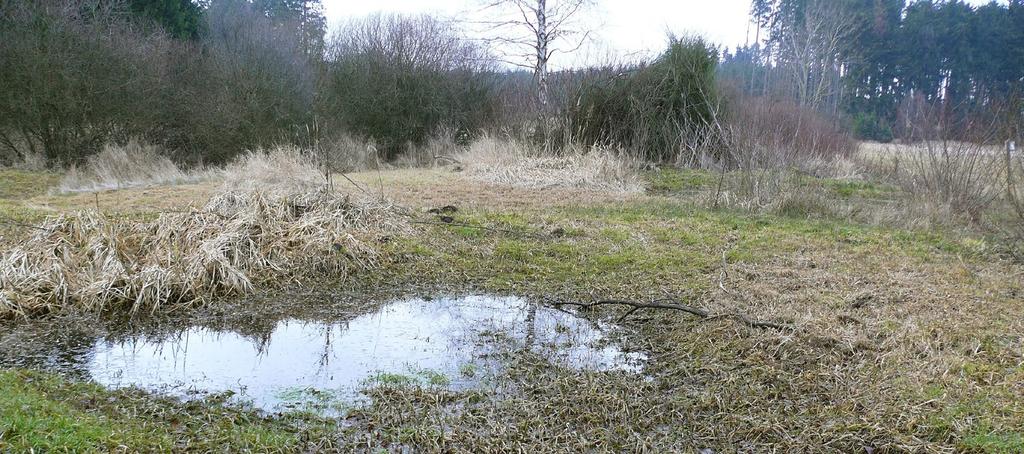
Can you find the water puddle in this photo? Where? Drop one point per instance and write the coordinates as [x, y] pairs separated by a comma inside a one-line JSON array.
[[453, 342]]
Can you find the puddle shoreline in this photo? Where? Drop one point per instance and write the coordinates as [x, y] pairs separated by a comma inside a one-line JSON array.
[[455, 342]]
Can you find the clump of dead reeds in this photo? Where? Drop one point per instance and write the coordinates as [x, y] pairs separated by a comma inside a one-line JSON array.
[[241, 240], [280, 170], [134, 164], [347, 153], [518, 163]]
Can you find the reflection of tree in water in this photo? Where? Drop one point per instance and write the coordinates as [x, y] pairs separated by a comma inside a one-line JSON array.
[[531, 326], [515, 323], [325, 356]]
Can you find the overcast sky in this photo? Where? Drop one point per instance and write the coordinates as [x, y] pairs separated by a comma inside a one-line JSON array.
[[622, 27]]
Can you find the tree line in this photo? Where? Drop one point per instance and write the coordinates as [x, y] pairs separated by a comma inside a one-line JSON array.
[[210, 79], [864, 59]]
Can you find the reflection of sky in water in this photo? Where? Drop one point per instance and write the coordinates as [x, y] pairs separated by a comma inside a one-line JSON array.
[[403, 337]]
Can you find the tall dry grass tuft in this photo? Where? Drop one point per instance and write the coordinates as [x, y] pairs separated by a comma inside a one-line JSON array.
[[280, 170], [438, 149], [517, 163], [134, 164], [261, 230], [346, 153]]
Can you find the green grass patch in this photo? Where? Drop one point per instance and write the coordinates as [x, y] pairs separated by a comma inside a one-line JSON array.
[[43, 412], [673, 181], [21, 184], [987, 440], [850, 189]]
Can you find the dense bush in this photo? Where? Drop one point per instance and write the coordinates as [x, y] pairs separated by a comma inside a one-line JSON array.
[[399, 79], [249, 84], [78, 74], [655, 110], [868, 126], [73, 75]]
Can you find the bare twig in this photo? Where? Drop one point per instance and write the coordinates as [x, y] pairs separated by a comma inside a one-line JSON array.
[[723, 274], [345, 176], [673, 305], [718, 190]]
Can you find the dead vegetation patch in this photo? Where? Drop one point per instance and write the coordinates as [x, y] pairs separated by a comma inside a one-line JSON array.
[[261, 231], [134, 164], [520, 164]]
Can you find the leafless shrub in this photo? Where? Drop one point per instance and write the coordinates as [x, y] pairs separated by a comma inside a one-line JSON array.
[[769, 134], [251, 83], [770, 148], [964, 175], [75, 74], [398, 79]]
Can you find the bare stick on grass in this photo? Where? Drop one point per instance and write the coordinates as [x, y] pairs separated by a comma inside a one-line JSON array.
[[676, 306]]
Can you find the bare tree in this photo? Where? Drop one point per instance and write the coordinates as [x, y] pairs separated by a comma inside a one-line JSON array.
[[812, 52], [528, 33]]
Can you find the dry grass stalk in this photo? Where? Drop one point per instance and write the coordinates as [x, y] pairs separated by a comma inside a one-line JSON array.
[[519, 164], [134, 164], [281, 170], [240, 241], [345, 153]]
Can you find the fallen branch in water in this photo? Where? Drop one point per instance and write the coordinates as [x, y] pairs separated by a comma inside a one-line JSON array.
[[672, 305]]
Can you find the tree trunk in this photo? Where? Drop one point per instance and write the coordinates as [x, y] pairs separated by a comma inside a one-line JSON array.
[[541, 71]]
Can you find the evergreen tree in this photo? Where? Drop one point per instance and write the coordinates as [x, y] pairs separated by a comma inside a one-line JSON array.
[[183, 19], [964, 58]]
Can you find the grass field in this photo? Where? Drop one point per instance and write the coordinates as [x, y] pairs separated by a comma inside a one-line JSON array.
[[897, 339]]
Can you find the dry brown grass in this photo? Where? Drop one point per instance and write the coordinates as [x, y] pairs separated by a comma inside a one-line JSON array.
[[516, 163], [283, 169], [346, 153], [270, 223], [132, 165], [897, 347], [904, 341]]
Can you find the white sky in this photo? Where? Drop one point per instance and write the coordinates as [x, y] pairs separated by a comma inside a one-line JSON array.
[[621, 27]]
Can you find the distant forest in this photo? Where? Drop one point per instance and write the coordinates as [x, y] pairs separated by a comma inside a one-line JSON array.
[[863, 59]]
